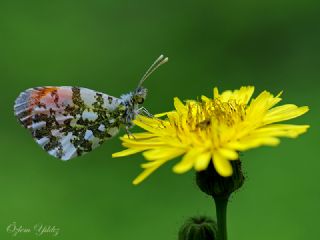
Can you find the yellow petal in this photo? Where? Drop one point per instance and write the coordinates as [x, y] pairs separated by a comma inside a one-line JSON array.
[[222, 165], [150, 167], [260, 105], [150, 124], [142, 176], [252, 142], [160, 114], [216, 93], [202, 161], [228, 153], [148, 143], [152, 164], [126, 152], [163, 152], [280, 130], [241, 96], [142, 135], [179, 106], [187, 161], [284, 112], [205, 99], [225, 96], [147, 127], [244, 94]]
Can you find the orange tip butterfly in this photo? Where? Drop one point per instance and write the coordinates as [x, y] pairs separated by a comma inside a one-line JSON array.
[[70, 121]]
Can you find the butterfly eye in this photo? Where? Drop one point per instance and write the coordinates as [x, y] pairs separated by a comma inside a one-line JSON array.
[[140, 100]]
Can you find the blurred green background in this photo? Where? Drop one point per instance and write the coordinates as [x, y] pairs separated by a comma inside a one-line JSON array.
[[107, 46]]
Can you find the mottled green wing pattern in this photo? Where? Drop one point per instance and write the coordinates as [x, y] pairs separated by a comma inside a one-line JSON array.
[[68, 121]]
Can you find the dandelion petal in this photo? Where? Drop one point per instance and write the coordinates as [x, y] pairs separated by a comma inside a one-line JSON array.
[[283, 113], [126, 152], [187, 162], [222, 165], [202, 161], [146, 173]]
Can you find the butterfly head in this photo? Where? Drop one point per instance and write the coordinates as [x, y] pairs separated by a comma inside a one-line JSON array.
[[139, 95]]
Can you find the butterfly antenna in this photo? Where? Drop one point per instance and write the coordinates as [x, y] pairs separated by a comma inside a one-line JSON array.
[[156, 64]]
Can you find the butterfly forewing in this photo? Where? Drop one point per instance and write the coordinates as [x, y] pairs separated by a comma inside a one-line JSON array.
[[68, 121]]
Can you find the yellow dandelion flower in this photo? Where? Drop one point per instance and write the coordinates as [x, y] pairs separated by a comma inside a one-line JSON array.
[[214, 130]]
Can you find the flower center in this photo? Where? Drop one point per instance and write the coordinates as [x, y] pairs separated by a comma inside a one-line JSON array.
[[201, 114], [228, 113]]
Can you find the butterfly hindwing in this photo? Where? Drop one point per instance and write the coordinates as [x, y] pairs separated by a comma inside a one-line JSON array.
[[67, 121]]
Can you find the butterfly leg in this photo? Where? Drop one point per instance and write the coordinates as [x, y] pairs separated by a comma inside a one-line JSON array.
[[145, 111], [129, 133]]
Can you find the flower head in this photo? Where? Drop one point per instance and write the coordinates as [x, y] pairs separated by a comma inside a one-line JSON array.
[[212, 129], [201, 227]]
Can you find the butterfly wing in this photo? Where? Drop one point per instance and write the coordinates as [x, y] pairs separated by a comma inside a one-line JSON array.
[[68, 121]]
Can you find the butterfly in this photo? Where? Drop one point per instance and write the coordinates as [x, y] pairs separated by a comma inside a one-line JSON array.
[[70, 121]]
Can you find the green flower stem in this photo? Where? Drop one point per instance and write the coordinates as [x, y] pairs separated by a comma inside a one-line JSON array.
[[221, 209]]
